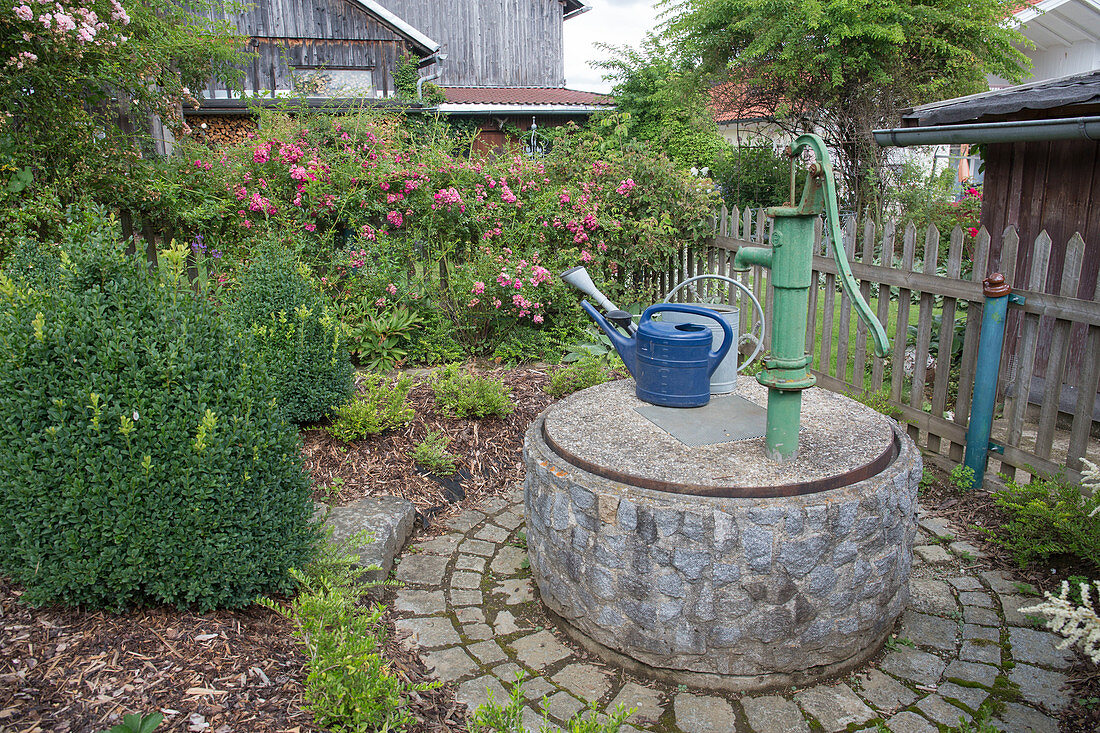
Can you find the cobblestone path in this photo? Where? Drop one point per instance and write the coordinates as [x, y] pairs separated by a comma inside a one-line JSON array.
[[469, 603]]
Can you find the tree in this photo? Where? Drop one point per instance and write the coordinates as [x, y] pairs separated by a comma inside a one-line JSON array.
[[845, 67], [80, 76], [664, 101]]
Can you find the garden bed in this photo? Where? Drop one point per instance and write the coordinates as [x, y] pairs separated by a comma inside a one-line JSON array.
[[70, 671], [75, 671]]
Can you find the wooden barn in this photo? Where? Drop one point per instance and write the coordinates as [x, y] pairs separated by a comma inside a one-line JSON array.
[[500, 62]]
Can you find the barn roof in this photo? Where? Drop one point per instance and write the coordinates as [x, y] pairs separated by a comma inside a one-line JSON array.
[[491, 95], [401, 26], [1075, 90]]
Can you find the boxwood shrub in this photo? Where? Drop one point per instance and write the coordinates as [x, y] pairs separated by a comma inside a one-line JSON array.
[[297, 334], [144, 460]]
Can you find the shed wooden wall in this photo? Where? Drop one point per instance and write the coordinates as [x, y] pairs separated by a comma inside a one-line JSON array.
[[492, 42], [332, 33], [1052, 186]]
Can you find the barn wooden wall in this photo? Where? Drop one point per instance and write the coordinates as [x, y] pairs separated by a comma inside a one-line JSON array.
[[332, 33], [492, 42]]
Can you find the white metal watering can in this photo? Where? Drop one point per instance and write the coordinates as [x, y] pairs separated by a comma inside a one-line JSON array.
[[724, 378]]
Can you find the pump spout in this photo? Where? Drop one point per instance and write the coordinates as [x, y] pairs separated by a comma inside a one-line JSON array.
[[625, 346]]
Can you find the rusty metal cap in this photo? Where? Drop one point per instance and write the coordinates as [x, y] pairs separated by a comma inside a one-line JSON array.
[[995, 286]]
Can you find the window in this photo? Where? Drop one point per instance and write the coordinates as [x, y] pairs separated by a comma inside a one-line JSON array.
[[328, 81]]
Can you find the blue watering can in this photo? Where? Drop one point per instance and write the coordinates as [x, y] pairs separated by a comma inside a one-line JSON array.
[[671, 362]]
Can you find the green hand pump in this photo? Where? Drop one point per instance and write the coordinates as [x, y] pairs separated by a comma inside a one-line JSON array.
[[790, 259]]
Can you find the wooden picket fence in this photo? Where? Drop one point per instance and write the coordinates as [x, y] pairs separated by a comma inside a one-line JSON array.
[[1047, 401]]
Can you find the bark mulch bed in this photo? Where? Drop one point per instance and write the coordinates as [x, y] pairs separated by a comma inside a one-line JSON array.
[[240, 671], [489, 450]]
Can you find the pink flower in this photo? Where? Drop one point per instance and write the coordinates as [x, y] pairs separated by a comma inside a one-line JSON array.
[[381, 301], [972, 231], [246, 223], [586, 256], [311, 227], [395, 218], [625, 187], [479, 288], [24, 12], [537, 318], [391, 289]]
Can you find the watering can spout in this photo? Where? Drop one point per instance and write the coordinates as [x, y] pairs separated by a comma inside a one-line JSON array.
[[625, 346]]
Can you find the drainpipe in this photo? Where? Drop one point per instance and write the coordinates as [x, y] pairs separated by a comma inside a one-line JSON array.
[[1071, 128], [439, 59], [978, 446]]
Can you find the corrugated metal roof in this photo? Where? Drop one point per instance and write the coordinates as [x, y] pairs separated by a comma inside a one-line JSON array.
[[524, 96], [1065, 91]]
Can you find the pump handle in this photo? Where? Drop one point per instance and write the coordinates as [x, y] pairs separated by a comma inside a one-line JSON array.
[[832, 220]]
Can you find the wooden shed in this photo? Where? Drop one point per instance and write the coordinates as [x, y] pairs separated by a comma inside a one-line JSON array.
[[1041, 147], [1040, 143]]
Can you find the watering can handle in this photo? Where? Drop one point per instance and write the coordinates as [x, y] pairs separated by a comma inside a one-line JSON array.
[[715, 357], [832, 220], [752, 298]]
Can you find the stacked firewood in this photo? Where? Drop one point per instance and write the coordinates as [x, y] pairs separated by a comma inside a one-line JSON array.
[[221, 130]]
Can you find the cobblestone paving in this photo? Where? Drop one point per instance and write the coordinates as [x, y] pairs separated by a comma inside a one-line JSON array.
[[469, 603]]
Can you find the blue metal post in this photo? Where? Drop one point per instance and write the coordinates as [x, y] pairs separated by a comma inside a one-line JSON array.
[[982, 402]]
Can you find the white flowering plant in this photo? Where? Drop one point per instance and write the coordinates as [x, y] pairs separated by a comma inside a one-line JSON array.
[[1079, 624]]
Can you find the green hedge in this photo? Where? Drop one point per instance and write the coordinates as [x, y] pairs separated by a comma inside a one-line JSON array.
[[297, 336], [144, 458]]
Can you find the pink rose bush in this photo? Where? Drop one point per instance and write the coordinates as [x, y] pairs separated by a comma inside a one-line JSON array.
[[382, 217]]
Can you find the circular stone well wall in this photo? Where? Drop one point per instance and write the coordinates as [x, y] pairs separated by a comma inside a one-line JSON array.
[[736, 593]]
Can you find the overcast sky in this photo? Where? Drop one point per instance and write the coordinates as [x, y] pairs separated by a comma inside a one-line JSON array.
[[617, 22]]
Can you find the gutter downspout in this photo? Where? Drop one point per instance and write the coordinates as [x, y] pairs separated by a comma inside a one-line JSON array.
[[439, 59], [1072, 128]]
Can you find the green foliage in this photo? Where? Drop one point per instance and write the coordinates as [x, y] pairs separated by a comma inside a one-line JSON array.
[[752, 176], [349, 685], [383, 405], [962, 477], [68, 101], [588, 371], [145, 461], [1049, 518], [663, 102], [380, 339], [507, 717], [296, 333], [878, 401], [432, 454], [845, 67], [435, 342], [137, 723], [405, 77], [462, 394]]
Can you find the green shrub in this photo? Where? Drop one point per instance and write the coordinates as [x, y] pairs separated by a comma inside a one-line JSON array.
[[432, 454], [461, 394], [507, 716], [349, 685], [144, 459], [383, 405], [1049, 518], [296, 334], [588, 371]]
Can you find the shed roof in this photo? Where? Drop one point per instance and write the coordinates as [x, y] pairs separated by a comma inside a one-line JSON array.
[[1067, 91]]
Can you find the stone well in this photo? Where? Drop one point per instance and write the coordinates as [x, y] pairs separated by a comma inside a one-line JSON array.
[[710, 565]]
